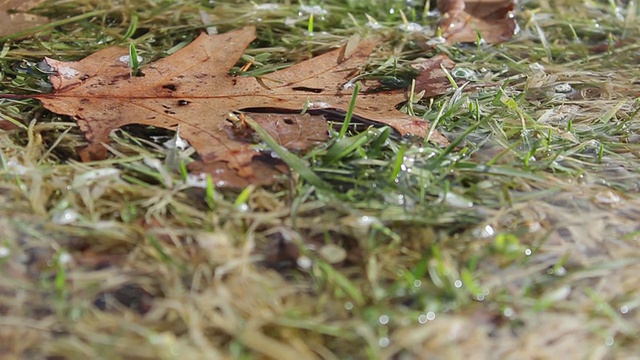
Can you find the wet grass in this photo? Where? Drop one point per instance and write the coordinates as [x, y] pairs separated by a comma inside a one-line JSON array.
[[519, 242]]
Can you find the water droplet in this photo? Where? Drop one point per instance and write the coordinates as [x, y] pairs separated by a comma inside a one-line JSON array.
[[65, 217], [196, 180], [267, 7], [384, 342], [67, 72], [348, 305], [458, 201], [563, 88], [65, 258], [408, 161], [312, 9], [508, 312], [410, 27], [527, 252], [304, 262], [431, 316], [438, 40], [417, 283], [176, 143], [395, 199], [373, 25], [125, 59], [291, 21], [609, 341], [464, 73], [4, 252], [383, 320], [624, 309], [485, 232], [457, 284], [422, 319], [367, 220]]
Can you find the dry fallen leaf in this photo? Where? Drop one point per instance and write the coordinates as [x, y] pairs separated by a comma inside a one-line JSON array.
[[462, 20], [13, 19], [193, 90]]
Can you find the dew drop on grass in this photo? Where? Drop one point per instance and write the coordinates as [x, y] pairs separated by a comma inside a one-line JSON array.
[[65, 258], [372, 24], [383, 320], [609, 341], [457, 284], [559, 271], [408, 162], [348, 306], [65, 217], [458, 201], [624, 309], [4, 252], [384, 342], [484, 232], [366, 220], [464, 73], [312, 9], [438, 40], [290, 22], [410, 27], [196, 180], [267, 7], [395, 199], [125, 59], [304, 262], [176, 142], [508, 312], [563, 88], [422, 319]]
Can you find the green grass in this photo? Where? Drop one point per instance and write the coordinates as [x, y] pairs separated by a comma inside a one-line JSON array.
[[518, 241]]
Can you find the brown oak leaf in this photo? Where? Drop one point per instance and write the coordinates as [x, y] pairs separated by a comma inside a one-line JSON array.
[[13, 19], [192, 89], [462, 20]]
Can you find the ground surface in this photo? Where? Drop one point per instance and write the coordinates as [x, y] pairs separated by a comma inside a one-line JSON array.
[[522, 242]]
